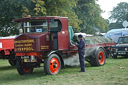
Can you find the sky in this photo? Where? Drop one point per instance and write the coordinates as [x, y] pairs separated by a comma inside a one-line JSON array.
[[107, 6]]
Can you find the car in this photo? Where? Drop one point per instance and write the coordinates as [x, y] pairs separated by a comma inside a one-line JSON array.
[[121, 47]]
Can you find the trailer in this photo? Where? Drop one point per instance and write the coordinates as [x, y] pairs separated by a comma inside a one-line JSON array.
[[49, 40], [7, 50], [92, 45]]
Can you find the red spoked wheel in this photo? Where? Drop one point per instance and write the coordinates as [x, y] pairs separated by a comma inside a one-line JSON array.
[[101, 57], [22, 68], [52, 64], [26, 69]]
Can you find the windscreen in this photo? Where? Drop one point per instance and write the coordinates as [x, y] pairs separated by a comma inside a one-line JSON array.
[[36, 26], [122, 40]]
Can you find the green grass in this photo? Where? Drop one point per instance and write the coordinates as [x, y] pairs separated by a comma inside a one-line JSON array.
[[114, 72]]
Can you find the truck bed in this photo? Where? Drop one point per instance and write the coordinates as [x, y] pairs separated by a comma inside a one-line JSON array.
[[6, 45]]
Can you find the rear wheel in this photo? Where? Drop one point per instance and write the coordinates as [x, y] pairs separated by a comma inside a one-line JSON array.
[[99, 58], [22, 68], [52, 64], [12, 62]]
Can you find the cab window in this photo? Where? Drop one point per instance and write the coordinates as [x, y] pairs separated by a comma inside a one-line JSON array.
[[55, 25], [36, 26]]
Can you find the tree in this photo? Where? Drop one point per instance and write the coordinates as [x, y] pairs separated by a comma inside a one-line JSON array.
[[8, 11], [118, 15], [119, 12], [84, 15], [90, 14], [63, 8], [12, 9], [127, 17]]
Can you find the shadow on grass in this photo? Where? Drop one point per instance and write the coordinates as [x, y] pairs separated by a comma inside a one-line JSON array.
[[73, 69], [122, 57], [86, 65], [7, 68], [13, 76]]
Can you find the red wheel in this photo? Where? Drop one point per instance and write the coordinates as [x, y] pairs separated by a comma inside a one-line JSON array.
[[101, 57], [22, 69], [52, 64], [25, 69]]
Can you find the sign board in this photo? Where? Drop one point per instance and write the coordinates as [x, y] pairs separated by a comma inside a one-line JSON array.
[[125, 23]]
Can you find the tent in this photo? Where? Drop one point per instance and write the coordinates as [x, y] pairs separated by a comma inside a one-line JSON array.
[[114, 34]]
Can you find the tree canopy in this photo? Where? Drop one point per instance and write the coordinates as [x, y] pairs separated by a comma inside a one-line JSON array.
[[119, 12], [84, 15], [118, 15], [89, 13]]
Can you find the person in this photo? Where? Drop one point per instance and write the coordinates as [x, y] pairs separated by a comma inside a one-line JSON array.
[[81, 51]]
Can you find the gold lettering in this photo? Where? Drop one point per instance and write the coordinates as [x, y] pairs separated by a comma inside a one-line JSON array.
[[27, 44], [24, 41], [44, 47], [24, 49]]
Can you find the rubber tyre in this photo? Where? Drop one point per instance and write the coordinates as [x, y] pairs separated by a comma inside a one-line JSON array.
[[52, 65], [22, 69], [114, 57], [99, 58], [12, 62]]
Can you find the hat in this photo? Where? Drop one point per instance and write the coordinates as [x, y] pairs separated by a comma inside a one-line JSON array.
[[80, 36]]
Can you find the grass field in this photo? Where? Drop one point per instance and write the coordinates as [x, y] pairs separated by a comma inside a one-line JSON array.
[[114, 72]]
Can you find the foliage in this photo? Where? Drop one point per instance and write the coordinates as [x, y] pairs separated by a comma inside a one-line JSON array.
[[11, 9], [118, 15], [84, 15], [119, 12], [89, 12], [63, 8], [6, 15], [115, 25]]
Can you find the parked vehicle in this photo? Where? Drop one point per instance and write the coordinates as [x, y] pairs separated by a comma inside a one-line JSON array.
[[48, 40], [121, 47]]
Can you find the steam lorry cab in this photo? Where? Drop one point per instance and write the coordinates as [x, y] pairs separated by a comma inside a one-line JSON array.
[[48, 40]]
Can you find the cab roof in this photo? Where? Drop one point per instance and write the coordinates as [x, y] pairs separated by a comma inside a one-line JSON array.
[[124, 36], [39, 18]]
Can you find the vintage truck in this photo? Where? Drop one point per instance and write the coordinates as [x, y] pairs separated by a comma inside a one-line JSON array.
[[48, 40], [121, 47]]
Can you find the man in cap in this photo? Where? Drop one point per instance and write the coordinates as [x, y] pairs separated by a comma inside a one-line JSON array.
[[81, 51]]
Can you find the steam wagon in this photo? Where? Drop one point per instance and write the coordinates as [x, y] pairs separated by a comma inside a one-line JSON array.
[[48, 40]]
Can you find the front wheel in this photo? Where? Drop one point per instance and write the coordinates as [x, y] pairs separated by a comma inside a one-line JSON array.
[[99, 58], [52, 65], [22, 68]]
